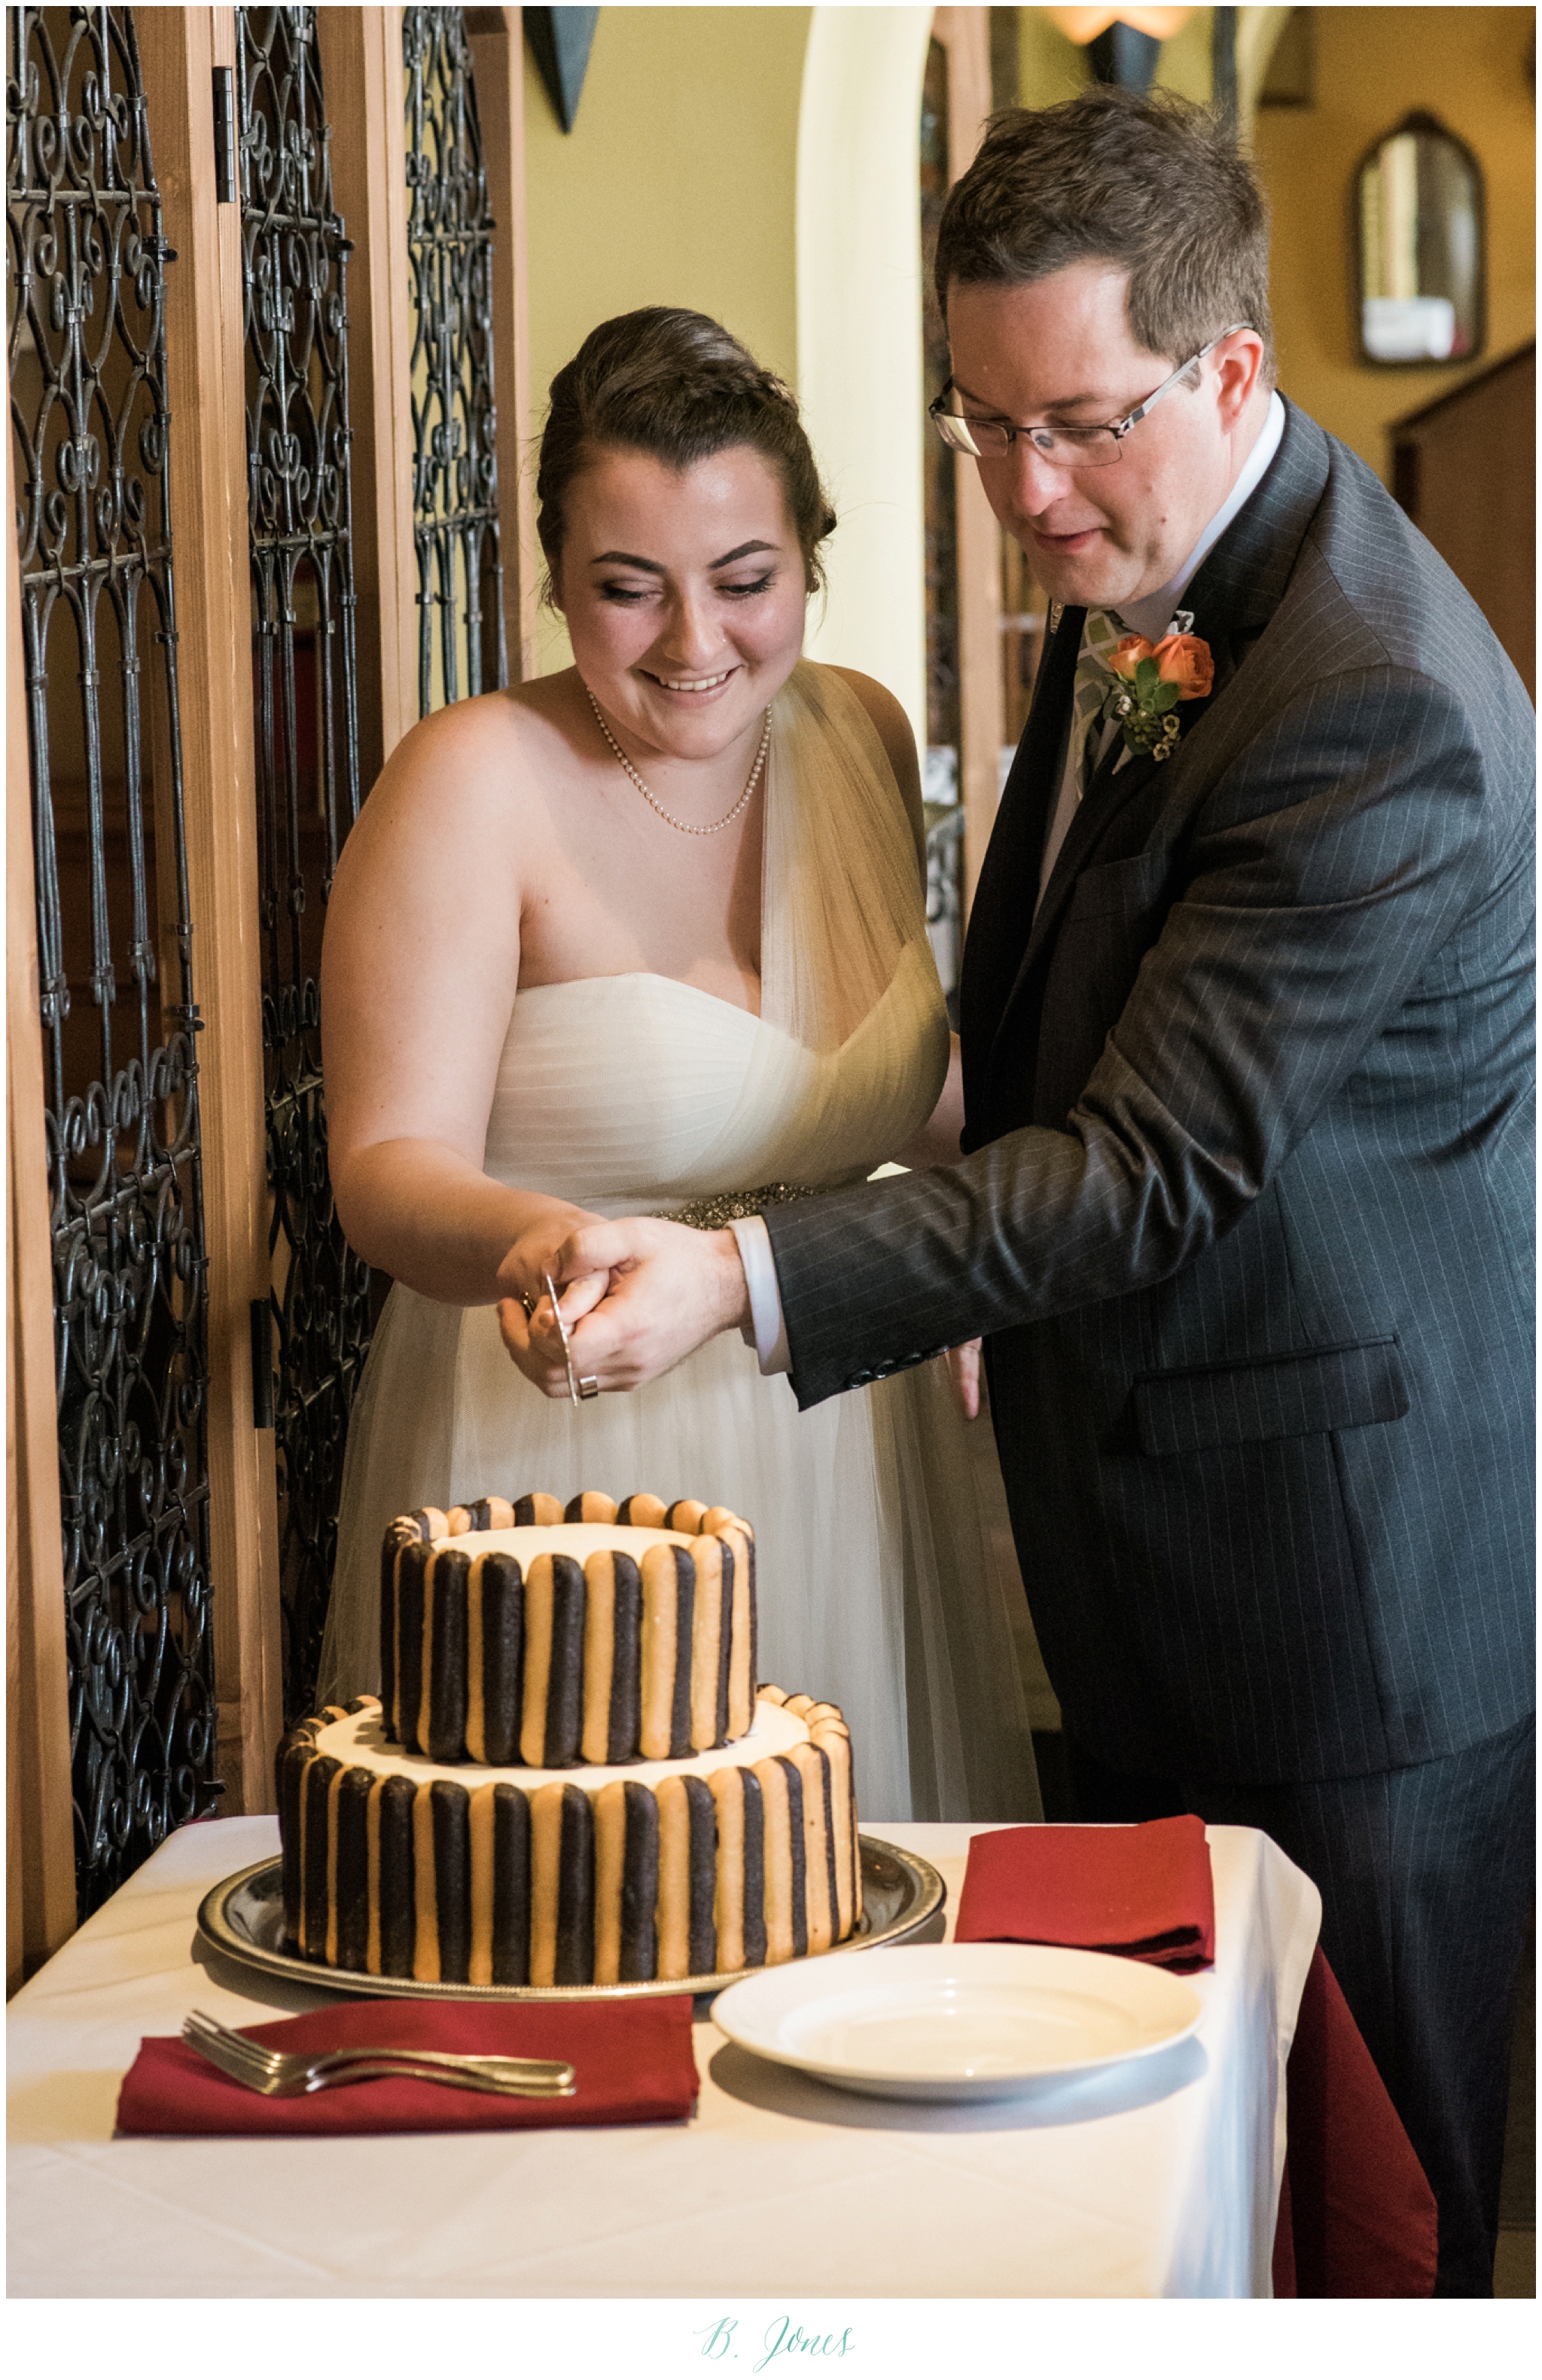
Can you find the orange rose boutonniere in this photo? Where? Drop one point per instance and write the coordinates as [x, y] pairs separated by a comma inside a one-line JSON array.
[[1147, 683]]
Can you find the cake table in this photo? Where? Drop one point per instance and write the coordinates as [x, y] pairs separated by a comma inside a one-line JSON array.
[[1155, 2179]]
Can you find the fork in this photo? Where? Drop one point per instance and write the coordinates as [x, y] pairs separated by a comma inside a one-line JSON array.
[[286, 2074], [542, 2070], [278, 2073]]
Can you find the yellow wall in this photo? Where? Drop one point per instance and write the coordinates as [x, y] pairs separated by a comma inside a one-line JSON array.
[[677, 185], [1373, 66], [1185, 63], [859, 336], [1051, 67]]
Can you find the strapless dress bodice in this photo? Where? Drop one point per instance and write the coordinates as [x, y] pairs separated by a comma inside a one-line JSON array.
[[879, 1520], [634, 1093]]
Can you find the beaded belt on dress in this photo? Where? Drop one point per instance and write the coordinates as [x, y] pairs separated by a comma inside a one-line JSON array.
[[729, 1206]]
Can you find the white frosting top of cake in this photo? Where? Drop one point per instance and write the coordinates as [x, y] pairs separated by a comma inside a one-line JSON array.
[[359, 1741], [577, 1538]]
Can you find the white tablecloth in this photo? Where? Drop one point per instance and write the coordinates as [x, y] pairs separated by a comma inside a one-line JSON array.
[[1157, 2179]]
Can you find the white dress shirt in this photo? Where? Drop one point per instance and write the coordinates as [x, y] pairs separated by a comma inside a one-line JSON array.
[[1152, 615], [1149, 616]]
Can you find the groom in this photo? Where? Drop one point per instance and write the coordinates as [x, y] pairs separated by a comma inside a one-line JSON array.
[[1244, 1208]]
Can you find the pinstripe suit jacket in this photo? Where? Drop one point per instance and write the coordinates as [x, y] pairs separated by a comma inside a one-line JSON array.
[[1245, 1208]]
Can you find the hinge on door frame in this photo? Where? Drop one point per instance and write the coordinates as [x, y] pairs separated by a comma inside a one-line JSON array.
[[225, 135], [262, 1364]]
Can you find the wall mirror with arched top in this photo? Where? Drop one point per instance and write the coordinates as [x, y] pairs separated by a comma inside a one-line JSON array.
[[1419, 217]]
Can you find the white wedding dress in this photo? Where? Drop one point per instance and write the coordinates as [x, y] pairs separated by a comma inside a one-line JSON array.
[[886, 1576]]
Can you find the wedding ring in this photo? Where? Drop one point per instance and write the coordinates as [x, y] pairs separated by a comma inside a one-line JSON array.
[[588, 1387], [528, 1302]]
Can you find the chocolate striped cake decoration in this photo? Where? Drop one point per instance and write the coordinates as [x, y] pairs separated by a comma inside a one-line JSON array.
[[497, 1830], [601, 1663], [348, 1821], [832, 1737], [597, 1511], [687, 1877], [396, 1879], [624, 1882], [515, 1659]]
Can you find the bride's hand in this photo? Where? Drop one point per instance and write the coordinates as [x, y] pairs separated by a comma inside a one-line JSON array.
[[533, 1339], [525, 1318], [963, 1371]]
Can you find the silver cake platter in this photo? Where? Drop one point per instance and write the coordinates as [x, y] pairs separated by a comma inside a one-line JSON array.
[[243, 1919]]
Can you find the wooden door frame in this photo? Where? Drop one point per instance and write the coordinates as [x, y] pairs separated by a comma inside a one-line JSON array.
[[362, 73], [965, 34], [179, 48], [498, 54], [40, 1827]]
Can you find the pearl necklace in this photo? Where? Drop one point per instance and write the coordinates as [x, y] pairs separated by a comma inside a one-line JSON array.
[[680, 824]]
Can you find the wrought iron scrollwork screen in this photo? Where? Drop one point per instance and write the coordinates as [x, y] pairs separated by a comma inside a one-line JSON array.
[[90, 438], [449, 239], [294, 253]]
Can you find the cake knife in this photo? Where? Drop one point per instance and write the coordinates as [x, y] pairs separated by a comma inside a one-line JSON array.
[[577, 1390]]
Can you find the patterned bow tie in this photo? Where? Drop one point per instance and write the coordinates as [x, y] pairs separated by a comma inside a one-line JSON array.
[[1100, 633]]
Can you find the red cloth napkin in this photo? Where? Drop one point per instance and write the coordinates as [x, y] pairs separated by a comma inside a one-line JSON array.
[[1357, 2216], [632, 2058], [1141, 1893]]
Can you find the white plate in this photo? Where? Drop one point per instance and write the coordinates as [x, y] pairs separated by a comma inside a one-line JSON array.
[[959, 2020]]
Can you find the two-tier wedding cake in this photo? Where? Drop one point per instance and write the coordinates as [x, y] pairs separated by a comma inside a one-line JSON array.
[[569, 1775]]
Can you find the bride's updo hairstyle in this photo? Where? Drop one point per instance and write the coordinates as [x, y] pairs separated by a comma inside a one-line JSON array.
[[677, 385]]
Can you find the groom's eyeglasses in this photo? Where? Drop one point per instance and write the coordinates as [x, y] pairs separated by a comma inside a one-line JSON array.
[[1072, 448]]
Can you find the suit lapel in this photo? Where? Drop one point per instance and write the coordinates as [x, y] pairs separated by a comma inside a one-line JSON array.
[[1003, 908], [1233, 596], [1111, 789]]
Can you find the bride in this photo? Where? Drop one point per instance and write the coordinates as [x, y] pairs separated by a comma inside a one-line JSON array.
[[643, 935]]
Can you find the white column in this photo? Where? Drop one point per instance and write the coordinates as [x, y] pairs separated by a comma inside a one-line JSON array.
[[858, 334]]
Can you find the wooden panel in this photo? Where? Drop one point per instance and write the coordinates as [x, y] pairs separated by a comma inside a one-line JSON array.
[[498, 52], [1465, 470], [40, 1834], [966, 35], [366, 88], [179, 48]]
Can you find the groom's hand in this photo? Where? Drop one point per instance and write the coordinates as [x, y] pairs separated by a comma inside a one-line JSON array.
[[670, 1290]]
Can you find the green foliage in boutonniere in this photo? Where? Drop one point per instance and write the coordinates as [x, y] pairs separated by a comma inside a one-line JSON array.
[[1147, 682]]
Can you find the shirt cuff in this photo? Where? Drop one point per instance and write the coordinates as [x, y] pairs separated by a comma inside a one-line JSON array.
[[765, 1331]]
